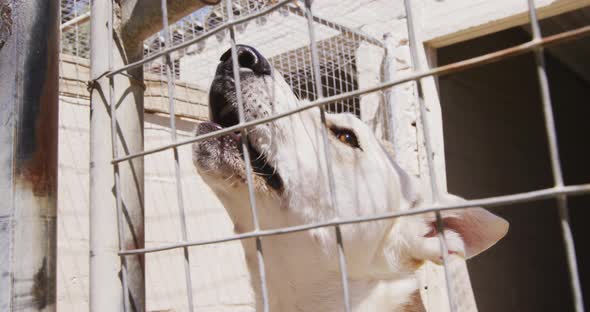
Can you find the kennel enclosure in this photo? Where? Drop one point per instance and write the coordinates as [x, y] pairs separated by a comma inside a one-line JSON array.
[[351, 62]]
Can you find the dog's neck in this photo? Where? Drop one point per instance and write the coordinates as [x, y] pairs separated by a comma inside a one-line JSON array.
[[302, 274], [302, 279]]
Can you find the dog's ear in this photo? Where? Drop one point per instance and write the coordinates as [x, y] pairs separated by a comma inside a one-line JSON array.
[[467, 231]]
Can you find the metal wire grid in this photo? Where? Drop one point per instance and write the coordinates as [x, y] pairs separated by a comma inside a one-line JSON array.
[[337, 70], [74, 42], [559, 191], [74, 49], [555, 162], [337, 52], [337, 58], [75, 37], [429, 153]]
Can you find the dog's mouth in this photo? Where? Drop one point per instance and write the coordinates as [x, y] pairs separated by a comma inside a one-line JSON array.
[[223, 111], [227, 117]]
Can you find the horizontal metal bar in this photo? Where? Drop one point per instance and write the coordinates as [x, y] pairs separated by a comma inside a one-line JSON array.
[[81, 19], [206, 35], [438, 71], [488, 202], [167, 113], [177, 175]]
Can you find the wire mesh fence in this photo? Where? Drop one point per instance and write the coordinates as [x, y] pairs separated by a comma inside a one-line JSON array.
[[313, 54], [75, 39]]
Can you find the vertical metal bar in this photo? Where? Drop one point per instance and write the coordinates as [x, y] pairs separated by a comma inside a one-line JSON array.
[[296, 66], [429, 151], [389, 95], [244, 137], [555, 162], [29, 50], [347, 73], [332, 48], [76, 31], [338, 67], [106, 292], [116, 284], [545, 97], [170, 75], [119, 202], [341, 69], [355, 73], [329, 64], [115, 151], [350, 60], [304, 73], [327, 154]]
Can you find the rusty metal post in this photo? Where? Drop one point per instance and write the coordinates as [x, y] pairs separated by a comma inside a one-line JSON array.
[[29, 47]]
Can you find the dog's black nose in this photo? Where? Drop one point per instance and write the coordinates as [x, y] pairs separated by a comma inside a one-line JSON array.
[[248, 57]]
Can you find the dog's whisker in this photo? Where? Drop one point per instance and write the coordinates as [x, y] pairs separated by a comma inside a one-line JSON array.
[[261, 156], [229, 178]]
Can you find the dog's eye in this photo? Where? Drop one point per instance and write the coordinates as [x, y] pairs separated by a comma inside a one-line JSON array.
[[346, 136]]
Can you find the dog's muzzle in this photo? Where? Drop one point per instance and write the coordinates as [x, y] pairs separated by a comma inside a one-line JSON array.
[[248, 57], [223, 110], [222, 102]]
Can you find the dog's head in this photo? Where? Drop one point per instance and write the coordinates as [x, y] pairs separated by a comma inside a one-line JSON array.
[[290, 179]]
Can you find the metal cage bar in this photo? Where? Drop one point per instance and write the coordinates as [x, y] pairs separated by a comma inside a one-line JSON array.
[[434, 188], [332, 189], [206, 35], [559, 191], [115, 151], [437, 71], [170, 78], [551, 132], [246, 154], [488, 202]]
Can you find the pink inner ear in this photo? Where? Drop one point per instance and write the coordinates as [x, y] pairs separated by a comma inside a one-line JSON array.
[[479, 229], [470, 232]]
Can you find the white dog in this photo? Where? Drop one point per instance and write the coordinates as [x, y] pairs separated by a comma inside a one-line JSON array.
[[292, 188]]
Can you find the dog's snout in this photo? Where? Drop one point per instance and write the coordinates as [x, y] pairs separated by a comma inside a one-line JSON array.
[[248, 57]]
